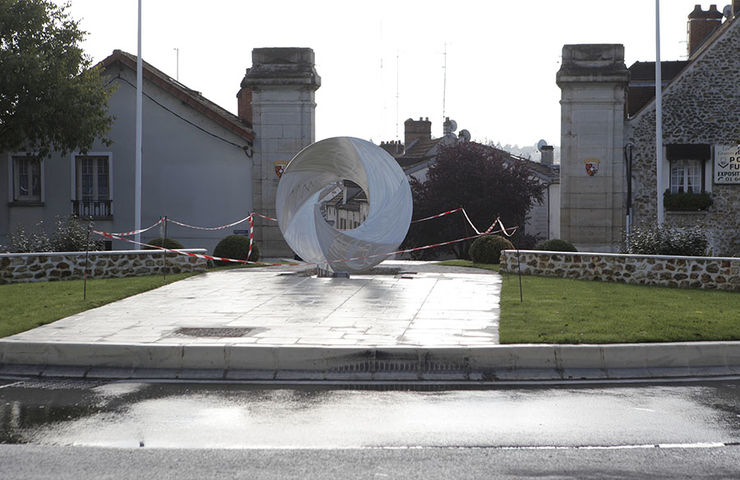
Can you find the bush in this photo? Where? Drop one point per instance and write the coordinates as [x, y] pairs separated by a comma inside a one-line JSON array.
[[556, 245], [686, 201], [654, 240], [168, 242], [70, 235], [236, 247], [487, 249]]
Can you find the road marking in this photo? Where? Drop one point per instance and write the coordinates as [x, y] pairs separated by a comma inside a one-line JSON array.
[[11, 384]]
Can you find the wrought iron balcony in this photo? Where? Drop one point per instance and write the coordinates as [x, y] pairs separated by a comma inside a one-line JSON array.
[[92, 208]]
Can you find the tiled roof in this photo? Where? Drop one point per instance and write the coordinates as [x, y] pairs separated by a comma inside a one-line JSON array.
[[188, 96], [641, 96], [641, 87]]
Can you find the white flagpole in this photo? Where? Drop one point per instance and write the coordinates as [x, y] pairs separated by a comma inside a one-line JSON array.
[[137, 183], [658, 119]]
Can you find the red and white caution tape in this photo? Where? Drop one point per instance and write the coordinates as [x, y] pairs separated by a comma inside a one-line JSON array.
[[135, 232], [251, 235], [490, 230], [181, 252], [437, 215], [222, 227], [264, 216]]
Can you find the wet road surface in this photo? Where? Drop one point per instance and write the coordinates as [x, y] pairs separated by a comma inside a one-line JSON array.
[[682, 430]]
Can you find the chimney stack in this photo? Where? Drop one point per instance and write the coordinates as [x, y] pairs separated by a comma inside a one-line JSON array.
[[547, 155], [244, 105], [701, 25], [417, 130]]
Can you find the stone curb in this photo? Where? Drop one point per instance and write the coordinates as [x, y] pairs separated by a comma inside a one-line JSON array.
[[475, 364]]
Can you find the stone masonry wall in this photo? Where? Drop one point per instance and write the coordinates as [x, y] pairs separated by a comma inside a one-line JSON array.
[[684, 272], [701, 106], [40, 267]]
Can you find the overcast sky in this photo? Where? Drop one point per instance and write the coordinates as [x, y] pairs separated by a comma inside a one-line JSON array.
[[382, 61]]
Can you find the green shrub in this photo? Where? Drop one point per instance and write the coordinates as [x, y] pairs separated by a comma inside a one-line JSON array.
[[70, 235], [487, 249], [686, 201], [653, 240], [556, 245], [236, 247], [168, 242]]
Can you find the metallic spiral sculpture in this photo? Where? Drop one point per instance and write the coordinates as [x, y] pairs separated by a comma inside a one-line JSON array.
[[312, 173]]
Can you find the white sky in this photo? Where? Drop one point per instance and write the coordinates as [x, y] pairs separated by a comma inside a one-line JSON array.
[[502, 56]]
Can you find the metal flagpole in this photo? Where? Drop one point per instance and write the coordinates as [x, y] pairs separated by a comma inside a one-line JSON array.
[[658, 119], [137, 183]]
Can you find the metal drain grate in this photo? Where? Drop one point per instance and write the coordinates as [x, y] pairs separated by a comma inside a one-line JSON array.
[[214, 331]]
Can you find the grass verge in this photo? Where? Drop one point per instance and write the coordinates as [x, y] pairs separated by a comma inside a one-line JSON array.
[[30, 305], [557, 310]]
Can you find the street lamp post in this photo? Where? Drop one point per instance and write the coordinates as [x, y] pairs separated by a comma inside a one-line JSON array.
[[137, 182]]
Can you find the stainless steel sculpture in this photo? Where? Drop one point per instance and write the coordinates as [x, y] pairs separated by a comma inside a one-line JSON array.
[[326, 163]]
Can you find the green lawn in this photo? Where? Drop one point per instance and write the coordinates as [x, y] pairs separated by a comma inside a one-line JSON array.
[[558, 310], [29, 305]]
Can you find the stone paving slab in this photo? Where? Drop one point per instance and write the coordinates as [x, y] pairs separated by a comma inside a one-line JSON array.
[[421, 305]]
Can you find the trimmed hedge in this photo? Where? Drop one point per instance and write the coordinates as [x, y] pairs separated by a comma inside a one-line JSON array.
[[556, 245], [487, 249], [654, 240], [236, 247]]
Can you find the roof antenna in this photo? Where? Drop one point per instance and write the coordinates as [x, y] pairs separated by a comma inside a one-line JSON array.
[[397, 94], [177, 63], [444, 85]]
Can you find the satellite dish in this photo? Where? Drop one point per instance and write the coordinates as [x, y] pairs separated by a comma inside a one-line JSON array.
[[727, 11], [453, 125], [464, 135], [541, 144]]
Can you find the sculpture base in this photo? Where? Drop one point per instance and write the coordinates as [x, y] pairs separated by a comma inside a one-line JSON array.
[[322, 273]]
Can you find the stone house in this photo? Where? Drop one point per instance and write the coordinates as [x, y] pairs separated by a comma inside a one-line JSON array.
[[608, 162], [202, 165]]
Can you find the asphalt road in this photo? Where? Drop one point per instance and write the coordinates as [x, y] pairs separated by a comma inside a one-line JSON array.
[[80, 430]]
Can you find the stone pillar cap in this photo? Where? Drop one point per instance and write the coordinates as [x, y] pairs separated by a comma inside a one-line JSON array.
[[593, 62], [282, 66]]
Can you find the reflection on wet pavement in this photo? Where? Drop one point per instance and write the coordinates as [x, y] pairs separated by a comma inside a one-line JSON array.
[[125, 414]]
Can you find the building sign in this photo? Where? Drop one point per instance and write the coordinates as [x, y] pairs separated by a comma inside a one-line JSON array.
[[727, 164], [592, 166]]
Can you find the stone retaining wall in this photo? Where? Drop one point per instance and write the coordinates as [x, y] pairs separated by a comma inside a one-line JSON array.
[[39, 267], [722, 273]]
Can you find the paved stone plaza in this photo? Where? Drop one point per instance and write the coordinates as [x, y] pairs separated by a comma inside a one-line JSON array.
[[421, 304]]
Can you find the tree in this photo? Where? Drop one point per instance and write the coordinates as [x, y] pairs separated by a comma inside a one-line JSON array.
[[50, 98], [478, 178]]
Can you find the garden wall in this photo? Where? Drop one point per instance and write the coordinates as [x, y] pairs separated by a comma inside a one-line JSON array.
[[39, 267], [722, 273]]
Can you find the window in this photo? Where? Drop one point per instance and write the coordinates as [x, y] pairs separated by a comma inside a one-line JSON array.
[[26, 179], [688, 163], [686, 176], [92, 186]]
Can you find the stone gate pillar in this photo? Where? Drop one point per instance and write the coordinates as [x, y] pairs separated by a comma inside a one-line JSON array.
[[592, 79], [282, 83]]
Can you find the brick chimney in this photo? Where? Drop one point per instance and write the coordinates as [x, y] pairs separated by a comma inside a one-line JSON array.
[[417, 130], [701, 25], [244, 105], [547, 155]]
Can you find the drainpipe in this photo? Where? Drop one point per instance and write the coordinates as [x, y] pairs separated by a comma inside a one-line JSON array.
[[628, 162]]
